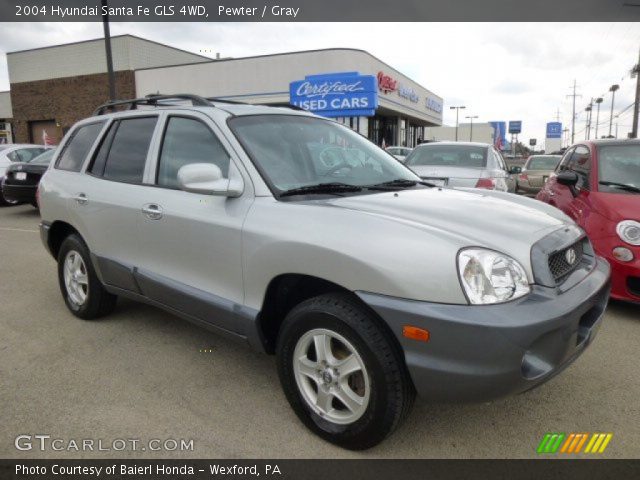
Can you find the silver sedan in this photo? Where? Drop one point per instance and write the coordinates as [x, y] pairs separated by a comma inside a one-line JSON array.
[[461, 164]]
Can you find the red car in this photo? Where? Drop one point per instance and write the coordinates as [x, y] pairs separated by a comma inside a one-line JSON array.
[[597, 183]]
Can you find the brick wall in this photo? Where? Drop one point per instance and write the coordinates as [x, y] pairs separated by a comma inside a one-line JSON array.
[[65, 100]]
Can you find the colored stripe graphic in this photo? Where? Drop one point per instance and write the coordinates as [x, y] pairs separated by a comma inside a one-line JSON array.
[[551, 442], [598, 442], [572, 443]]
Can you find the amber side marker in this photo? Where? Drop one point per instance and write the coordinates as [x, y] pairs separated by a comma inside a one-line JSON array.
[[415, 333]]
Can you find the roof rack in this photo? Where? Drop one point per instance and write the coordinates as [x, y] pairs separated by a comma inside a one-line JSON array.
[[284, 105], [224, 100], [153, 100]]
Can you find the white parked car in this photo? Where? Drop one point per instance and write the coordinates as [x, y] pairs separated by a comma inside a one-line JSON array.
[[400, 153], [15, 153]]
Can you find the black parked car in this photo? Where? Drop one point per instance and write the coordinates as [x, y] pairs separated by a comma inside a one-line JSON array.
[[21, 180]]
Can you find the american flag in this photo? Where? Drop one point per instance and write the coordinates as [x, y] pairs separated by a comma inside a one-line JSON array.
[[497, 142], [46, 140]]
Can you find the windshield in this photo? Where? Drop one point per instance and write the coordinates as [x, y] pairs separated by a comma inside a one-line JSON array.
[[468, 156], [619, 164], [293, 151], [543, 163], [43, 158]]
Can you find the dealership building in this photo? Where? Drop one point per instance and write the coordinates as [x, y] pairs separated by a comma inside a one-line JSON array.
[[53, 87]]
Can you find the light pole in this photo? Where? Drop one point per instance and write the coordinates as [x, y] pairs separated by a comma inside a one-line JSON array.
[[598, 102], [612, 89], [457, 109], [107, 45], [588, 127], [471, 132]]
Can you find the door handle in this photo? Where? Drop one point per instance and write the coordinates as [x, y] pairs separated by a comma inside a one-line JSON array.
[[81, 199], [152, 211]]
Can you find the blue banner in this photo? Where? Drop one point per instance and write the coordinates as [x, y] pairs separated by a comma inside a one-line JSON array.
[[499, 134], [554, 130], [346, 94], [515, 126]]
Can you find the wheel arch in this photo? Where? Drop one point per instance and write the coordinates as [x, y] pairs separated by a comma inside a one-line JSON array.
[[58, 231], [285, 291]]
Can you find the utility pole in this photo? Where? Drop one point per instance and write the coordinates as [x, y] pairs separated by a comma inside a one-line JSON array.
[[589, 108], [573, 116], [558, 115], [613, 90], [635, 72], [598, 102], [471, 133], [457, 109], [107, 46]]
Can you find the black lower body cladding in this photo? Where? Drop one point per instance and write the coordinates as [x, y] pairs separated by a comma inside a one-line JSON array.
[[483, 352]]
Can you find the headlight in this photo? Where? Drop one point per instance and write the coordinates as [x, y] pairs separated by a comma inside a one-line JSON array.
[[491, 277], [629, 231]]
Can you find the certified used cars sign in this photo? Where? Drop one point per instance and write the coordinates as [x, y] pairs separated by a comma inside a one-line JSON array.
[[346, 94]]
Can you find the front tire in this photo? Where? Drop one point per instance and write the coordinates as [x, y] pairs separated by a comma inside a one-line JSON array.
[[342, 374], [81, 288]]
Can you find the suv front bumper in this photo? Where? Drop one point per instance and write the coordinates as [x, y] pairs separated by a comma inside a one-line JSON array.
[[483, 352]]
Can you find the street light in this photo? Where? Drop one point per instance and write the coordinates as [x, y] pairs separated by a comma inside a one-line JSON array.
[[457, 109], [598, 102], [612, 89], [471, 132]]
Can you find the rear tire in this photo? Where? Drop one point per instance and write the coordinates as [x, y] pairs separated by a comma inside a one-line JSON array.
[[81, 288], [363, 367], [7, 203]]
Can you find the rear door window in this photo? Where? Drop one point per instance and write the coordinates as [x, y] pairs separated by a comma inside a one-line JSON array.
[[77, 148], [128, 152]]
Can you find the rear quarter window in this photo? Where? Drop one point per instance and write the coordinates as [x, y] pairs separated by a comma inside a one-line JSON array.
[[77, 148]]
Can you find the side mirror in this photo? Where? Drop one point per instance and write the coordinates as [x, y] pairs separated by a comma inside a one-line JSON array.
[[206, 178], [569, 179], [515, 170]]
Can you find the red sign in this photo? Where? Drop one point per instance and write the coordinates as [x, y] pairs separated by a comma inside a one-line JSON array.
[[386, 84]]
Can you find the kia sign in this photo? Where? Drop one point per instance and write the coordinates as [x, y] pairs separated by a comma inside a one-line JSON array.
[[346, 94], [554, 130], [515, 126]]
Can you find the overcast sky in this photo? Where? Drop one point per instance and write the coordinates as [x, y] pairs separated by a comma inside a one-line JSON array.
[[501, 71]]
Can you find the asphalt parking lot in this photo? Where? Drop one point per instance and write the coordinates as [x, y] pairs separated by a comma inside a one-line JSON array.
[[142, 373]]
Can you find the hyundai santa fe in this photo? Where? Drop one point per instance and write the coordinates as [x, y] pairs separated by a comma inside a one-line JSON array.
[[296, 235]]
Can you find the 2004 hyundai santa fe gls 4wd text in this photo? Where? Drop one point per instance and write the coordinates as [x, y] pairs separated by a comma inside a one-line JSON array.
[[297, 235]]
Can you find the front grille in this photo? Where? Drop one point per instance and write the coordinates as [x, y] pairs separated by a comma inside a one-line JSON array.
[[559, 263]]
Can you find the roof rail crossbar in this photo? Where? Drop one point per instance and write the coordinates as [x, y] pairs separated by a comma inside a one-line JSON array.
[[284, 105], [152, 100], [224, 100]]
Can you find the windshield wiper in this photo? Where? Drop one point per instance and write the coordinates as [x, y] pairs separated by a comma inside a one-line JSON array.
[[621, 186], [331, 188], [398, 183]]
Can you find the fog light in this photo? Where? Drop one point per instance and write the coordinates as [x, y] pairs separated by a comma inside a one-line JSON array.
[[623, 254]]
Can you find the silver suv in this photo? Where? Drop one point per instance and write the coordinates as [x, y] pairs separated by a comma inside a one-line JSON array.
[[296, 235]]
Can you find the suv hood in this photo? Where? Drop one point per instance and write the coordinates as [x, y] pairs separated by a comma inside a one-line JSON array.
[[497, 220]]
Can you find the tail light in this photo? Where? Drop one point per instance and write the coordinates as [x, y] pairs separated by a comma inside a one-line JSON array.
[[523, 177], [488, 183]]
